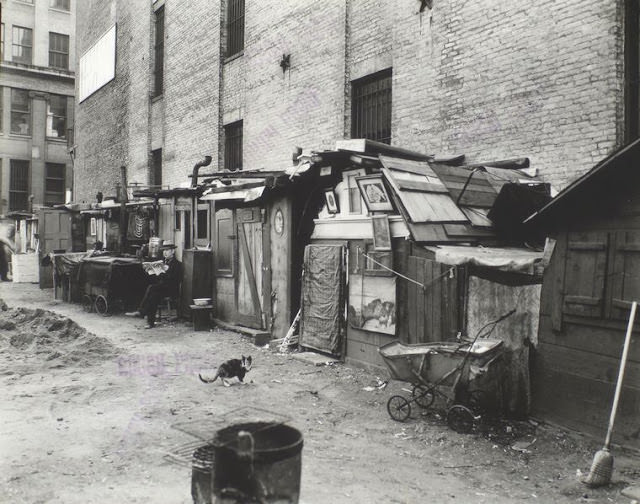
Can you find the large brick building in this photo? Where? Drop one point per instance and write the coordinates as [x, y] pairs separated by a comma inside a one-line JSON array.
[[37, 71], [492, 80]]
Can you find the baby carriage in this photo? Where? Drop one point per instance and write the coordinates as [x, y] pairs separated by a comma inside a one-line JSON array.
[[430, 367]]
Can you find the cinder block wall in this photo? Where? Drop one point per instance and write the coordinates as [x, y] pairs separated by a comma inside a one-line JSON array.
[[488, 79]]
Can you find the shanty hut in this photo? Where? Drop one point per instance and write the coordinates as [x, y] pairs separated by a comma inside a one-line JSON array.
[[591, 281]]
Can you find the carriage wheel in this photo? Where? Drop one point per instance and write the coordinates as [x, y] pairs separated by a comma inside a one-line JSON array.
[[87, 303], [460, 419], [479, 401], [423, 398], [102, 305], [399, 408]]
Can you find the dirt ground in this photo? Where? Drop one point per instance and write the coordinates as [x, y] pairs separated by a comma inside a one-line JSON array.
[[98, 410]]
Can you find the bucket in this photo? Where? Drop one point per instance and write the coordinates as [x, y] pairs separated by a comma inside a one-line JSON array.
[[201, 475], [257, 462]]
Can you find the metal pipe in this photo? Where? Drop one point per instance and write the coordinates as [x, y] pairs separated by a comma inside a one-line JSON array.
[[196, 167]]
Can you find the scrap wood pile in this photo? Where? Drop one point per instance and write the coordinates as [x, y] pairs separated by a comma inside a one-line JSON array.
[[28, 335]]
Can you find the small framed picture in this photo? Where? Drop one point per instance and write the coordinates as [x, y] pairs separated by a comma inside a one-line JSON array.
[[374, 193], [93, 227], [332, 201], [381, 232]]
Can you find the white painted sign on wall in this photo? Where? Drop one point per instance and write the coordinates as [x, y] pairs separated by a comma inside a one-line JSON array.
[[98, 65]]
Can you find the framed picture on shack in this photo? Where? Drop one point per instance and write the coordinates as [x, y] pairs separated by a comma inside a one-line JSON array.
[[331, 201], [381, 232], [374, 193]]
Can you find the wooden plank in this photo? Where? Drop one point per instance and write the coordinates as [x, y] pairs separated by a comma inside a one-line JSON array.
[[471, 197], [251, 280], [438, 293], [411, 300], [557, 291], [421, 308], [418, 185], [584, 300], [581, 245]]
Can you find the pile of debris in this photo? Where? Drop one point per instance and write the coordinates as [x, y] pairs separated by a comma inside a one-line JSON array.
[[27, 334]]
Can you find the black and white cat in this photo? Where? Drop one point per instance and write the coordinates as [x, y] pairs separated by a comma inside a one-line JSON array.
[[229, 369]]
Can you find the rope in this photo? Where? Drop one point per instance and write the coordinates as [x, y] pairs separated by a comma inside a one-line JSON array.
[[424, 286]]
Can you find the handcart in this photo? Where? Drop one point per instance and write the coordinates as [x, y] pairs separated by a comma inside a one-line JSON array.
[[430, 367], [111, 284]]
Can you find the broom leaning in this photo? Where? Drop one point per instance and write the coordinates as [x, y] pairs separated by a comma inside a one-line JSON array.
[[602, 465]]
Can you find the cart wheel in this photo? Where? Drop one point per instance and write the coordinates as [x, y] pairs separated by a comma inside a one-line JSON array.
[[460, 419], [423, 398], [102, 306], [478, 401], [399, 408], [87, 303]]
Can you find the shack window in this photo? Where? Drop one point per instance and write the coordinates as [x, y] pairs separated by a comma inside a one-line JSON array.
[[203, 224], [371, 107], [235, 26], [224, 245], [178, 220]]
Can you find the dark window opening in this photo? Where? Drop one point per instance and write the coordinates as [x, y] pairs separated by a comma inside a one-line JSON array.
[[187, 229], [19, 185], [235, 27], [156, 168], [60, 4], [203, 223], [178, 220], [233, 146], [158, 69], [54, 184], [58, 50], [371, 107]]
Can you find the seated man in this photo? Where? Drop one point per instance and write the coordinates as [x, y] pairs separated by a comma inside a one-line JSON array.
[[168, 280]]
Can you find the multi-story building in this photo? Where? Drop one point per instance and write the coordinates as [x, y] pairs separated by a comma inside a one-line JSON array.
[[247, 81], [37, 71]]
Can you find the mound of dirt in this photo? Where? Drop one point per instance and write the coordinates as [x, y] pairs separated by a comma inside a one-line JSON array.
[[54, 339]]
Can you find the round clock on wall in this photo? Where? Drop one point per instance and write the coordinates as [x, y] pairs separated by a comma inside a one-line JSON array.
[[278, 221]]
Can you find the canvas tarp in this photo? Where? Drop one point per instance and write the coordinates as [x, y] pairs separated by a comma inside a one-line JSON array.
[[512, 260], [322, 298]]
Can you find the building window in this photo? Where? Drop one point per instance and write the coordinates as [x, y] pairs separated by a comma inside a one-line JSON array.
[[54, 184], [57, 116], [156, 168], [233, 146], [58, 50], [1, 112], [158, 70], [22, 44], [19, 185], [632, 71], [235, 26], [1, 41], [371, 107], [20, 112], [60, 4]]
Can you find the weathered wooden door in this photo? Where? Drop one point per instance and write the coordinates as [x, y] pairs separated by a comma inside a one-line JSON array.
[[432, 311], [249, 280], [55, 234]]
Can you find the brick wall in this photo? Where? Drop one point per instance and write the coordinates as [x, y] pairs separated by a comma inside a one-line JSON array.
[[491, 80]]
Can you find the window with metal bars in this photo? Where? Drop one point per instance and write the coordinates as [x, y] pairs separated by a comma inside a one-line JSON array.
[[60, 4], [22, 45], [158, 68], [20, 112], [19, 185], [235, 27], [54, 184], [58, 50], [233, 146], [371, 107], [57, 116]]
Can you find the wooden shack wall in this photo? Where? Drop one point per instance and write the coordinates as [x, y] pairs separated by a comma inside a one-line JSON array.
[[281, 265], [575, 364]]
